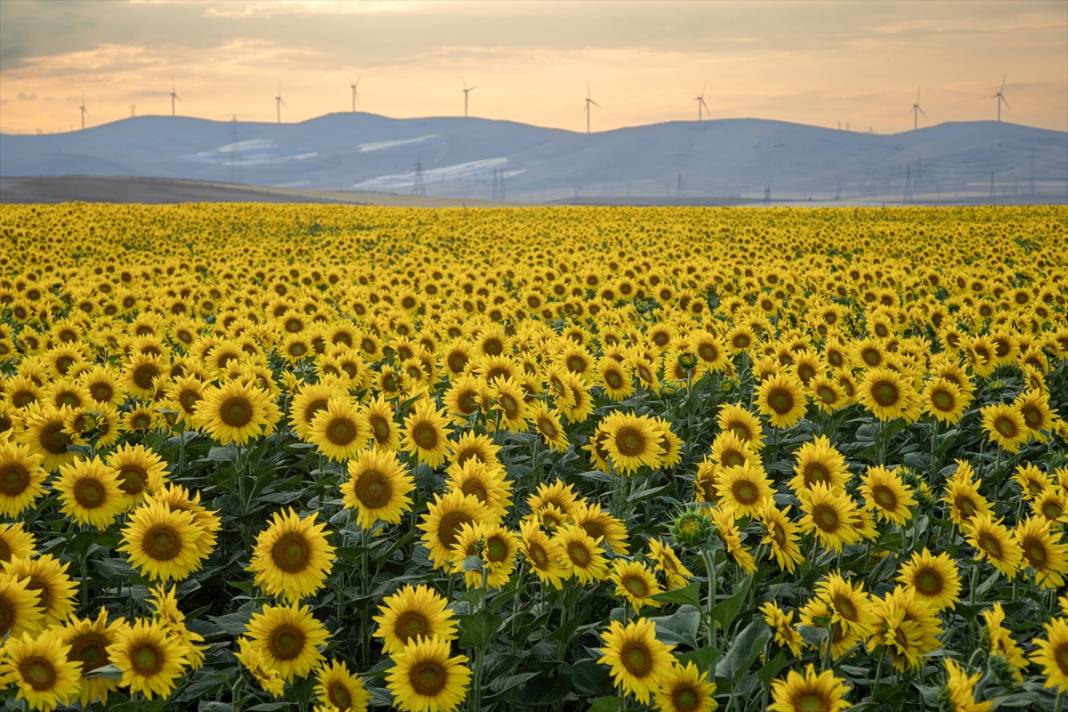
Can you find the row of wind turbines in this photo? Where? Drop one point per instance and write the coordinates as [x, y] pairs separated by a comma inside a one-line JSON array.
[[702, 106]]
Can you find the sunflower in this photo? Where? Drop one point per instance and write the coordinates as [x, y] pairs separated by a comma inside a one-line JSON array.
[[547, 422], [494, 546], [183, 394], [1043, 551], [1051, 654], [994, 542], [89, 493], [161, 542], [828, 515], [426, 433], [556, 494], [630, 440], [809, 692], [377, 488], [726, 524], [411, 613], [307, 403], [781, 535], [782, 399], [141, 471], [465, 397], [20, 611], [743, 489], [543, 554], [164, 604], [616, 379], [47, 432], [255, 660], [473, 445], [102, 383], [827, 394], [443, 519], [1033, 407], [583, 555], [337, 686], [731, 451], [782, 626], [178, 498], [886, 495], [1005, 426], [292, 558], [1051, 503], [907, 628], [49, 579], [424, 678], [818, 462], [1032, 480], [960, 689], [1001, 642], [601, 525], [638, 662], [934, 579], [944, 401], [235, 412], [339, 430], [21, 478], [149, 658], [686, 689], [888, 395], [88, 640], [743, 424], [505, 401], [850, 605], [668, 563], [963, 497], [487, 483], [38, 667], [15, 541], [289, 637], [635, 582], [384, 431]]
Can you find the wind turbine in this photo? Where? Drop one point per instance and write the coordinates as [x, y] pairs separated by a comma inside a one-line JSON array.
[[917, 110], [279, 103], [174, 96], [84, 111], [700, 99], [589, 102], [354, 85], [467, 90], [1000, 96]]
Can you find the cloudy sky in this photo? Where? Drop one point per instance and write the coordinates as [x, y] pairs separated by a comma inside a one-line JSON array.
[[813, 62]]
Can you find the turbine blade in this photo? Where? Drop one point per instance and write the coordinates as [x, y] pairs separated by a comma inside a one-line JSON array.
[[1006, 102], [704, 104], [1003, 78], [922, 112], [595, 103], [472, 88]]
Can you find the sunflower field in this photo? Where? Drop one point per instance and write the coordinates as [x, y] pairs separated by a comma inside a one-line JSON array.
[[341, 458]]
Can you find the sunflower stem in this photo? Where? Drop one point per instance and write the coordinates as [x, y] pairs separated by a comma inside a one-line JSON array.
[[878, 673], [710, 572], [934, 463], [1060, 702]]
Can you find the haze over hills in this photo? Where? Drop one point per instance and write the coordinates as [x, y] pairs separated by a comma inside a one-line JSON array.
[[473, 158]]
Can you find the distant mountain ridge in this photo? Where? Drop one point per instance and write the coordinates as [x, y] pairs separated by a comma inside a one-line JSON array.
[[481, 158]]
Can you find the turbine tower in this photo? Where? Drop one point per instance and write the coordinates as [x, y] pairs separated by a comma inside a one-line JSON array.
[[467, 90], [84, 111], [174, 96], [354, 85], [917, 110], [589, 102], [700, 99], [133, 110], [279, 103], [1000, 96]]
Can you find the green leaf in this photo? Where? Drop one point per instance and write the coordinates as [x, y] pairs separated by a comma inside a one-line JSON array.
[[812, 635], [745, 648], [503, 684], [726, 611], [478, 629], [607, 704], [771, 668], [690, 594], [680, 627]]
